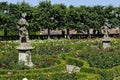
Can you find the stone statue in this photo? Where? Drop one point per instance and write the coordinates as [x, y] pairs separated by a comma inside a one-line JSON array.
[[106, 39], [105, 29], [22, 27], [24, 47]]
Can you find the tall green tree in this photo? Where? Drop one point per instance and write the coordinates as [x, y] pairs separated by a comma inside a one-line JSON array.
[[85, 18], [57, 16], [44, 16], [4, 17], [97, 18], [59, 13], [72, 19]]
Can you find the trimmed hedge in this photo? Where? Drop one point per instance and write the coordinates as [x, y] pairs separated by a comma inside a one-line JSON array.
[[74, 61], [52, 76], [58, 72], [88, 76], [107, 74], [56, 68]]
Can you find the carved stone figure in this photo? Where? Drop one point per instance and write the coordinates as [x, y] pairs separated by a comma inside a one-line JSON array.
[[106, 39], [22, 26], [105, 29]]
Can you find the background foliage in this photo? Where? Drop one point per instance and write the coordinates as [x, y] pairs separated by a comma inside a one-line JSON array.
[[57, 16]]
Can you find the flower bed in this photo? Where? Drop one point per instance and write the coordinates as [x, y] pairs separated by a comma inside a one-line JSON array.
[[50, 59]]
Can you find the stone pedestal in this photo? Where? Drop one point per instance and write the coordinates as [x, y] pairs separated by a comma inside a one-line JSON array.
[[106, 42], [25, 54]]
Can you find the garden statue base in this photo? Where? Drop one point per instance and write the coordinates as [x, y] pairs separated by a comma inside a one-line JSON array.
[[106, 42], [25, 54]]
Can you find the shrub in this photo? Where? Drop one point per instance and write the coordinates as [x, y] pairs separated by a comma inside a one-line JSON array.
[[74, 61], [100, 58]]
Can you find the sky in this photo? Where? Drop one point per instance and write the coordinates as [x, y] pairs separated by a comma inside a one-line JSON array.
[[71, 2]]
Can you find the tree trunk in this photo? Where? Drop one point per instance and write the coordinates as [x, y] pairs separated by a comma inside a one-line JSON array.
[[68, 34], [63, 33], [88, 34], [94, 31], [5, 34], [48, 33], [119, 31]]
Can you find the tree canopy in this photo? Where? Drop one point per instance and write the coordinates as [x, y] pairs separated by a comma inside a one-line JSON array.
[[58, 16]]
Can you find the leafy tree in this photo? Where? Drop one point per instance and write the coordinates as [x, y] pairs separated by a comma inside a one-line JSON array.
[[97, 18], [116, 21], [10, 13], [85, 18], [59, 13], [57, 16], [44, 16], [4, 17], [72, 19]]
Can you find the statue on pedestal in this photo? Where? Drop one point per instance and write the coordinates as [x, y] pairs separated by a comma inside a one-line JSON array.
[[25, 47], [22, 27], [106, 39]]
